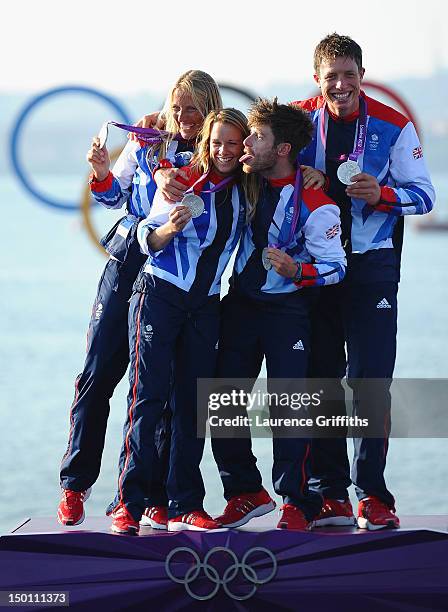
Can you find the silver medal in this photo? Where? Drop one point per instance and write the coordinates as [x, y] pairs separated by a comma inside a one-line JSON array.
[[267, 265], [195, 203], [347, 171], [103, 134]]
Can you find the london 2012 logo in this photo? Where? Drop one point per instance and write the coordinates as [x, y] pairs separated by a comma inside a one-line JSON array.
[[224, 577]]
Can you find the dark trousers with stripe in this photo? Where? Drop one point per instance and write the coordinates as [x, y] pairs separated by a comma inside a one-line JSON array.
[[252, 330], [105, 365], [362, 317], [165, 329]]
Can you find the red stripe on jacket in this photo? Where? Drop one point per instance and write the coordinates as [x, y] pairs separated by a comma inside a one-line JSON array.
[[102, 186]]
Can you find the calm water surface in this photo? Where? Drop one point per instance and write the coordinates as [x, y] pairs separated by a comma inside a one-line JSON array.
[[49, 272]]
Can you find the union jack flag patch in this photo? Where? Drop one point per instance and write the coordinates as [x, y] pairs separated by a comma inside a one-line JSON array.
[[333, 231], [417, 153]]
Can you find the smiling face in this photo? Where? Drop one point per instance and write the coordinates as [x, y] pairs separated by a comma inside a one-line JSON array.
[[186, 114], [340, 83], [226, 147], [260, 153]]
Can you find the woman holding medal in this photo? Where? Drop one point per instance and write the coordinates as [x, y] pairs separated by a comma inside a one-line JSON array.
[[174, 317], [191, 98]]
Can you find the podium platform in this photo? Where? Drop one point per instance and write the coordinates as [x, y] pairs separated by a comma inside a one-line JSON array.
[[256, 567]]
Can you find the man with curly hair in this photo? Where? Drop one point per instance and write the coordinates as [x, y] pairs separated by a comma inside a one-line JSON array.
[[291, 247]]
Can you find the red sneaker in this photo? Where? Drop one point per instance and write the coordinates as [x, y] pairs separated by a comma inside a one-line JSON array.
[[241, 508], [123, 521], [71, 507], [335, 512], [197, 520], [375, 514], [293, 518], [155, 517]]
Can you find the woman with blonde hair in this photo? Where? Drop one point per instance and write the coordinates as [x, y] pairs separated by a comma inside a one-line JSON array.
[[174, 319], [131, 183], [227, 120]]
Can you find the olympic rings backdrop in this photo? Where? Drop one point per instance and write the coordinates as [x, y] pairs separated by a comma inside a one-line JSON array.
[[85, 205], [18, 129]]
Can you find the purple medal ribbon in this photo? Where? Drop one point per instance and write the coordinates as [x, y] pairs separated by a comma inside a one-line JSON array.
[[360, 136], [297, 204], [217, 187], [148, 135], [362, 131], [194, 202]]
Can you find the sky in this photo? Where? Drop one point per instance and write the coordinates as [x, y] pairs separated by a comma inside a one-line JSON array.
[[130, 47]]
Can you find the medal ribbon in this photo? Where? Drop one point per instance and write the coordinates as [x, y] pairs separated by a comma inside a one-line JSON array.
[[360, 136], [148, 135], [218, 187], [297, 205]]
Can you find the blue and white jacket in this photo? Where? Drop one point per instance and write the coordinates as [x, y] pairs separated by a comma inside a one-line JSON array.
[[131, 182], [315, 244], [393, 154], [196, 257]]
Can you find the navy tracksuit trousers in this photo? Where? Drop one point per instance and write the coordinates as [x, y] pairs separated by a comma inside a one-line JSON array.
[[364, 318], [105, 365], [250, 330], [166, 326]]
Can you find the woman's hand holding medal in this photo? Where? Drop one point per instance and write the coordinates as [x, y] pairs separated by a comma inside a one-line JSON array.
[[98, 158], [364, 187], [178, 218]]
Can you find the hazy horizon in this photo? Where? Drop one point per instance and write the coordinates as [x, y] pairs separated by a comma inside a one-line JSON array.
[[115, 47]]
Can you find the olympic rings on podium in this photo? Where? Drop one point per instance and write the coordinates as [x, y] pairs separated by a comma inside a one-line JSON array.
[[213, 574], [17, 132]]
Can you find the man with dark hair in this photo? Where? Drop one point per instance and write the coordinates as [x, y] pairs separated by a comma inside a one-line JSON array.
[[333, 46], [291, 245], [375, 171], [286, 124]]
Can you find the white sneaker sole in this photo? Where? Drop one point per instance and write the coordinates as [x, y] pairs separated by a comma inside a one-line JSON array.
[[178, 526], [337, 521], [364, 523], [285, 527], [69, 523], [131, 531], [145, 521], [258, 511]]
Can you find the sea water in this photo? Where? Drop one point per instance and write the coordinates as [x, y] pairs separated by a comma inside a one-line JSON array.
[[49, 273]]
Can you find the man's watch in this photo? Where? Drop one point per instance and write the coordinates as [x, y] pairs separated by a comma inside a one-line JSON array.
[[298, 275]]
